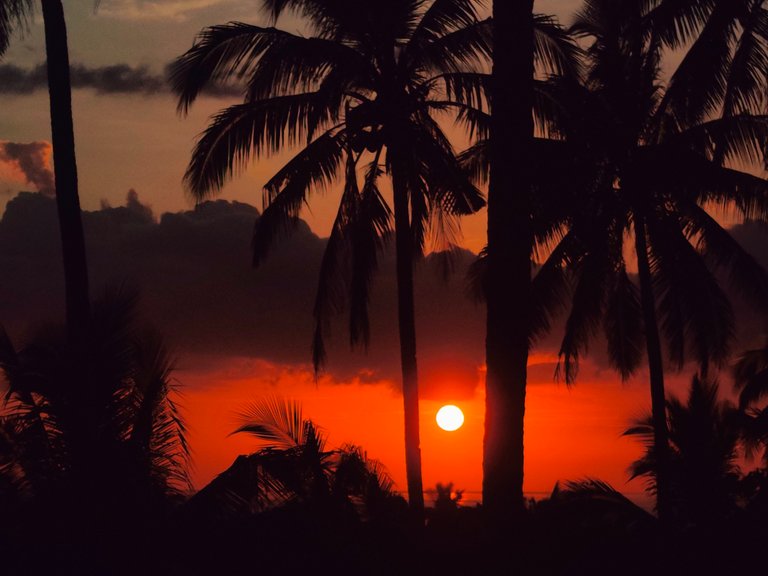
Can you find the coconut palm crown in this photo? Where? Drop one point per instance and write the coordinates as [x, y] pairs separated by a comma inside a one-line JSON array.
[[647, 177], [366, 86]]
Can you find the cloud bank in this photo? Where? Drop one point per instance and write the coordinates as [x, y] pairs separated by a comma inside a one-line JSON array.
[[112, 79], [197, 284]]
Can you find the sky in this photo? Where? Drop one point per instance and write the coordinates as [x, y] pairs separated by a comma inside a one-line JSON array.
[[239, 333]]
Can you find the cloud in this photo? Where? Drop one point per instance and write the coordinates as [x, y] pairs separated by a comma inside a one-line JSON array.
[[176, 10], [30, 162], [112, 79], [197, 284]]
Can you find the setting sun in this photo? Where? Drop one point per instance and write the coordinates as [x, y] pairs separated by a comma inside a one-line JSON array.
[[450, 418]]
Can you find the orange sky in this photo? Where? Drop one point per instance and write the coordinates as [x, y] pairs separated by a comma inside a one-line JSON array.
[[570, 433]]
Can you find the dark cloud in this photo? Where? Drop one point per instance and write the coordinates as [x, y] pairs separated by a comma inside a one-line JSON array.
[[33, 160], [197, 284], [17, 80], [112, 79]]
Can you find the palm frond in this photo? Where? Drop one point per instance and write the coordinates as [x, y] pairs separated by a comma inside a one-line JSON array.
[[722, 251], [751, 377], [296, 64], [459, 50], [691, 177], [551, 287], [710, 56], [277, 422], [286, 192], [737, 140], [447, 186], [748, 73], [14, 16], [244, 130], [359, 232], [592, 275], [692, 305], [220, 53], [370, 232], [445, 16], [474, 161], [555, 52], [468, 89], [624, 325], [329, 19], [157, 431], [678, 23]]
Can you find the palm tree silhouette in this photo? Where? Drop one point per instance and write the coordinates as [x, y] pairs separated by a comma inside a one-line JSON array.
[[294, 467], [510, 244], [704, 434], [643, 173], [12, 14], [367, 86], [522, 42], [751, 381], [100, 462]]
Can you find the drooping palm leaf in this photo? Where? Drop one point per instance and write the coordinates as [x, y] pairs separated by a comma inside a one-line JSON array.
[[694, 307], [14, 16], [287, 191]]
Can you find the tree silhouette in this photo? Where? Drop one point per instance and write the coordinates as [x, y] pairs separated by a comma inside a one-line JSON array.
[[704, 434], [645, 175], [503, 280], [367, 86], [101, 462], [510, 245], [751, 381], [294, 467], [12, 14]]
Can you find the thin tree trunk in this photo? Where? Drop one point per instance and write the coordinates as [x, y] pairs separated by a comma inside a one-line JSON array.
[[510, 241], [65, 169], [407, 326], [656, 370]]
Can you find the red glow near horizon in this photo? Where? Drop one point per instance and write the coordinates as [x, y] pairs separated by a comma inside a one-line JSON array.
[[571, 433]]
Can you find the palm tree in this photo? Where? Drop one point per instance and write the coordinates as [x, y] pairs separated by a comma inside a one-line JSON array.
[[704, 437], [294, 466], [645, 173], [102, 459], [515, 226], [510, 246], [14, 13], [751, 381], [367, 86]]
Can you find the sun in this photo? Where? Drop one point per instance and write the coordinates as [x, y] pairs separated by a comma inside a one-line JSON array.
[[450, 418]]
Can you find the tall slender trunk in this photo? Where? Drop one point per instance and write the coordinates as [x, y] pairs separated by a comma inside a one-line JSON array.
[[656, 370], [65, 169], [510, 241], [407, 326]]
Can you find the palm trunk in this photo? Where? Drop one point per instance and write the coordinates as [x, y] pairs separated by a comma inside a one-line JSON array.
[[510, 241], [407, 326], [65, 169], [656, 369]]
